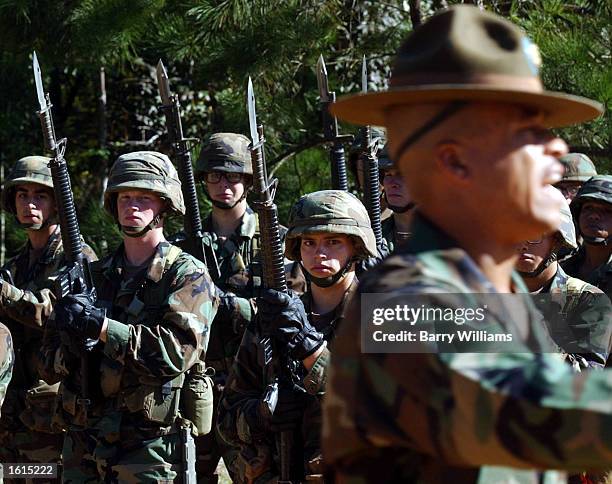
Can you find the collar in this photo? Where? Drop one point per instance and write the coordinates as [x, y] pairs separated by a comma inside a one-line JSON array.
[[558, 282], [156, 267], [248, 227], [50, 252]]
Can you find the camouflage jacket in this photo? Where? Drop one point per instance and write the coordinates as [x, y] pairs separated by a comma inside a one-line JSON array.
[[441, 417], [7, 358], [239, 421], [578, 316], [601, 277], [25, 307], [158, 328]]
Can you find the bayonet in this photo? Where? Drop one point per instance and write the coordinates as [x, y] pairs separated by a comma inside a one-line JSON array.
[[330, 129], [252, 113]]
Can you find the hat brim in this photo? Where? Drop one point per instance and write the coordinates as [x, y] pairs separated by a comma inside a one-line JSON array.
[[559, 109]]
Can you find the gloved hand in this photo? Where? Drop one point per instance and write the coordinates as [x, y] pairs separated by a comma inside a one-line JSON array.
[[383, 251], [282, 316], [77, 315]]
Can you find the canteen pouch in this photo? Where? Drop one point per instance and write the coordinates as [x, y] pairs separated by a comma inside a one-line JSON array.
[[197, 399], [158, 404], [41, 406]]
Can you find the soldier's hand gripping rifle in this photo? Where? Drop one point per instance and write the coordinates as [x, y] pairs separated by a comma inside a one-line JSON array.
[[193, 223], [369, 154], [273, 265], [330, 130], [75, 278]]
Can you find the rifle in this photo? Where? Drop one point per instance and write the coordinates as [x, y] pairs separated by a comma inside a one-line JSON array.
[[188, 472], [193, 223], [273, 266], [369, 152], [330, 130], [75, 277]]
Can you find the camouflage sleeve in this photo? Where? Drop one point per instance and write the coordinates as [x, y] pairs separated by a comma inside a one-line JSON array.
[[508, 409], [32, 308], [238, 310], [29, 308], [238, 420], [7, 358], [316, 378], [171, 345]]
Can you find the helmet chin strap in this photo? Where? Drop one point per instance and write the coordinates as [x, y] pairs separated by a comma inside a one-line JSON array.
[[224, 205], [543, 265], [52, 220], [596, 240], [329, 280], [398, 209], [136, 232]]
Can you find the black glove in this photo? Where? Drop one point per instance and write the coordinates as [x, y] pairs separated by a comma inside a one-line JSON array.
[[283, 317], [383, 252], [77, 315]]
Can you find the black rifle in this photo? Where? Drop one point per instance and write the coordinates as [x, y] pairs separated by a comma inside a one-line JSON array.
[[193, 223], [369, 154], [75, 278], [330, 130], [273, 268]]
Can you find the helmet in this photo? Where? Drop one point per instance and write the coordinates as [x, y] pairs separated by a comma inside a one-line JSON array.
[[227, 152], [333, 211], [30, 169], [144, 170], [597, 188], [566, 231], [578, 167]]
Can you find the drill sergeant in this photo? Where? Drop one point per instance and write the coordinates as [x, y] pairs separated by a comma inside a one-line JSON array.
[[578, 314], [329, 231], [150, 326], [592, 211], [26, 301], [467, 122]]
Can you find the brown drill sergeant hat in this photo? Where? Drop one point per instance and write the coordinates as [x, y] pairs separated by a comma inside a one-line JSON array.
[[465, 54]]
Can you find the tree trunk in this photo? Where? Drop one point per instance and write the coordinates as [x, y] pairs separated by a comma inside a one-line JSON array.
[[415, 13]]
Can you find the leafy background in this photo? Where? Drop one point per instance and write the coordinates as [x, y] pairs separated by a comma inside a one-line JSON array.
[[210, 47]]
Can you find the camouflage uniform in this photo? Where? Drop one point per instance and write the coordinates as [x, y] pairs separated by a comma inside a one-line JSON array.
[[7, 360], [598, 188], [577, 313], [26, 301], [328, 211], [159, 317]]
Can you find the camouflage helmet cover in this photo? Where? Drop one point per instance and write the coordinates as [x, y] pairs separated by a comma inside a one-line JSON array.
[[228, 152], [384, 161], [578, 167], [144, 170], [30, 169], [331, 211], [597, 188], [567, 231]]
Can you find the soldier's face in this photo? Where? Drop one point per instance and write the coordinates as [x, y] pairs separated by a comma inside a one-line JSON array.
[[569, 189], [137, 208], [225, 191], [596, 219], [533, 252], [324, 254], [395, 188], [34, 203]]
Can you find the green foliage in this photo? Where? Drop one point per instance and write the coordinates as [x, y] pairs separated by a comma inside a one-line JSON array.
[[210, 47]]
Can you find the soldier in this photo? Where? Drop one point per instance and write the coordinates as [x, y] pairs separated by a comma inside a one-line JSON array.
[[592, 211], [395, 228], [328, 232], [578, 169], [577, 313], [467, 121], [129, 419], [26, 301], [7, 360]]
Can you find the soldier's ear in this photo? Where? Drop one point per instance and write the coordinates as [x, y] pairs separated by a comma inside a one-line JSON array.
[[450, 162]]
